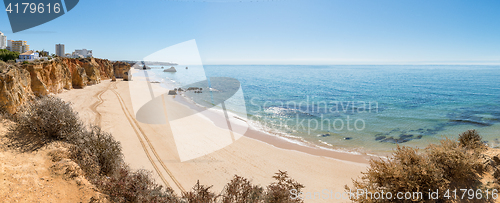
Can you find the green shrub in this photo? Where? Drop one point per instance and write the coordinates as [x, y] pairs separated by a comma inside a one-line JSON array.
[[26, 62], [6, 55], [42, 121]]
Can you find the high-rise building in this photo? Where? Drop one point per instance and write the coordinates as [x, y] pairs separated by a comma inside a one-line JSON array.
[[19, 46], [60, 50], [3, 41], [9, 44]]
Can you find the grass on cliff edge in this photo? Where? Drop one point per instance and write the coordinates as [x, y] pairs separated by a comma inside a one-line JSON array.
[[50, 119]]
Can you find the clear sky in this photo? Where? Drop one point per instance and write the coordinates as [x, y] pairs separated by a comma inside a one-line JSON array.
[[280, 32]]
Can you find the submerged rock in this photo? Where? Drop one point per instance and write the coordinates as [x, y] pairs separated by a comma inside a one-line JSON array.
[[193, 88]]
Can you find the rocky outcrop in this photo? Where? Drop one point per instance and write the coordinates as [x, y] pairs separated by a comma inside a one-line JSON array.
[[106, 68], [79, 77], [22, 82], [48, 77], [92, 69], [15, 87], [171, 69], [121, 69]]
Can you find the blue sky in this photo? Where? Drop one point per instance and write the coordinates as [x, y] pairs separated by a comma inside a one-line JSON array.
[[280, 32]]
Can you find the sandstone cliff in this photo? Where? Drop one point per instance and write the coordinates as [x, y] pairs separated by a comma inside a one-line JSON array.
[[22, 82], [121, 70], [15, 87]]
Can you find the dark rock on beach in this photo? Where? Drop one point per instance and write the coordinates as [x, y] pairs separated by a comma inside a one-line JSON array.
[[172, 92]]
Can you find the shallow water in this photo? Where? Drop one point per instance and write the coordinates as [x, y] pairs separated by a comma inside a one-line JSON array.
[[362, 108]]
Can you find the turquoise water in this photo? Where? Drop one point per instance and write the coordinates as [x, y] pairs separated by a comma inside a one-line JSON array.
[[365, 108]]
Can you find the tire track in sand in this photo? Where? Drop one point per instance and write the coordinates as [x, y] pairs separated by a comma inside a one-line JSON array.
[[94, 106], [135, 125]]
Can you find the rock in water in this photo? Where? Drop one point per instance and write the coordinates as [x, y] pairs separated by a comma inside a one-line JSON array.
[[171, 69]]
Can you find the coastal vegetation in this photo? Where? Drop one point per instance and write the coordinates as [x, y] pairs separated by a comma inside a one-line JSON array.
[[6, 55], [452, 165], [48, 120]]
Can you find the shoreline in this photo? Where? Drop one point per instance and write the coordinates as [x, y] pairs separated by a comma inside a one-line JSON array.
[[283, 143], [248, 156]]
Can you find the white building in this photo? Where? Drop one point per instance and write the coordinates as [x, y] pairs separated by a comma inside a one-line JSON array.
[[3, 41], [81, 53], [29, 56], [9, 44]]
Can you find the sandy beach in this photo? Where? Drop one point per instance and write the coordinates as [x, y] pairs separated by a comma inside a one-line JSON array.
[[255, 155]]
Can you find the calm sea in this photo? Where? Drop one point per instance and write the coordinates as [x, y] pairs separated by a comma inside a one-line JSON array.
[[363, 108]]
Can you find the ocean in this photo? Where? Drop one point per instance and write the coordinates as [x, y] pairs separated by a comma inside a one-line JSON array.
[[361, 108]]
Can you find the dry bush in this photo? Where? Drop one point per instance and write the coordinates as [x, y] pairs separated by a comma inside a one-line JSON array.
[[49, 119], [447, 166], [405, 171], [42, 121], [470, 139], [97, 153], [199, 194], [241, 190], [459, 166], [135, 186], [279, 191]]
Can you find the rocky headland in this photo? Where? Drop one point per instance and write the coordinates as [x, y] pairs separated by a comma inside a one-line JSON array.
[[22, 82]]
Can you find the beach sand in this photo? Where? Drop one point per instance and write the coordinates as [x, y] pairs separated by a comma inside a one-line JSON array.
[[256, 155]]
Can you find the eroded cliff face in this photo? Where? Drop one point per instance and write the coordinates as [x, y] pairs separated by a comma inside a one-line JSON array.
[[48, 77], [121, 70], [15, 87], [22, 82]]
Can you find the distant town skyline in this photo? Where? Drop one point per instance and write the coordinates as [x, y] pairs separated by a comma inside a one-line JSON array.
[[280, 32]]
